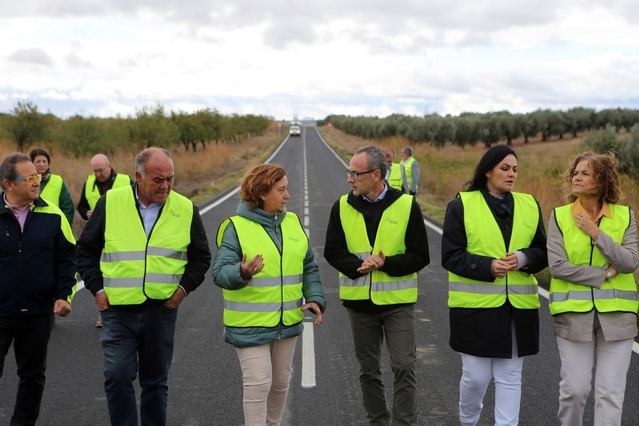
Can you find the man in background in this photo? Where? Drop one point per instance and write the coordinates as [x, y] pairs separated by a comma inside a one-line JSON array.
[[410, 171], [98, 183]]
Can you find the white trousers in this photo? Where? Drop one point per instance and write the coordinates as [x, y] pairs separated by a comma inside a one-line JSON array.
[[266, 370], [476, 375], [612, 360]]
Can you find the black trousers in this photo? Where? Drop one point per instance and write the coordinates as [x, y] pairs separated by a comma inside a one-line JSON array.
[[30, 337]]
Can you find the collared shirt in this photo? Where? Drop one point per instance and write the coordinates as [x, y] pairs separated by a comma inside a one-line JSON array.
[[20, 213], [578, 208], [380, 197], [148, 213]]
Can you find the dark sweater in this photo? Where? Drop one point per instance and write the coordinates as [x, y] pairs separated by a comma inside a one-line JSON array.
[[336, 252], [486, 332]]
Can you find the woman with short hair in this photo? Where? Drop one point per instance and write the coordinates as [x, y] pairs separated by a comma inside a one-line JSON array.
[[266, 268], [592, 253]]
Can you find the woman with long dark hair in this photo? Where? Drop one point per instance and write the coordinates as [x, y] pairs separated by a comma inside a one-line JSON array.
[[493, 241]]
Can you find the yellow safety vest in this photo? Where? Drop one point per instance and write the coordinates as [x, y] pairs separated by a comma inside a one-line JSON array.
[[66, 231], [274, 295], [395, 176], [92, 193], [51, 192], [408, 171], [378, 286], [616, 295], [484, 238], [135, 268]]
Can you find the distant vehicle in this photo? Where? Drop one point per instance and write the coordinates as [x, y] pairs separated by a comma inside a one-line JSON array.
[[295, 130]]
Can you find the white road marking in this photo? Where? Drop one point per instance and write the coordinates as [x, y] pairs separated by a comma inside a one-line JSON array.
[[308, 337], [308, 356], [542, 291]]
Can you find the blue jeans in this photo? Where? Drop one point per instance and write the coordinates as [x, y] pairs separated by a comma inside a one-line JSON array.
[[135, 341]]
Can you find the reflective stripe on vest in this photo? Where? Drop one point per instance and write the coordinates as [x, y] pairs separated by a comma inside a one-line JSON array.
[[378, 286], [92, 193], [395, 176], [484, 238], [133, 267], [274, 295], [408, 171], [52, 190], [616, 295]]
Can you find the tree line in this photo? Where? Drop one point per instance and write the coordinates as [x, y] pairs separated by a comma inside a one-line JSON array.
[[487, 128], [26, 125]]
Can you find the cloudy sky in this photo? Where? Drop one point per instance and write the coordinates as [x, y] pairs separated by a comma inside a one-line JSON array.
[[313, 58]]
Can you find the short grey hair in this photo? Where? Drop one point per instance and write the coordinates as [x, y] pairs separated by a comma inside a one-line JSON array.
[[143, 157], [408, 150], [375, 158], [8, 166]]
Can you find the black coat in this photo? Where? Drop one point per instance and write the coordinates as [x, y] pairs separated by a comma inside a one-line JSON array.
[[486, 332], [37, 265], [337, 255]]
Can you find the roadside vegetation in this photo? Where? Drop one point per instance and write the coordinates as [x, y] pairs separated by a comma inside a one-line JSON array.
[[211, 151], [544, 157]]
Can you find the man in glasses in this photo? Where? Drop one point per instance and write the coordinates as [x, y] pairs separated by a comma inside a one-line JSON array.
[[376, 239], [143, 250], [103, 178], [37, 274]]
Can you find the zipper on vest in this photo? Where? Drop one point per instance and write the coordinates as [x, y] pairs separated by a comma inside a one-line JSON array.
[[280, 251], [592, 290]]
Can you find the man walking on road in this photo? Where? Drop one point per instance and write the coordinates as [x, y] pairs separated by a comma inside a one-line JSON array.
[[377, 241], [37, 272], [143, 250], [393, 170], [98, 183], [410, 171]]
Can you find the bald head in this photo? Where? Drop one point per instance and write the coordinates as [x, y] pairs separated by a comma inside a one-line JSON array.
[[101, 167]]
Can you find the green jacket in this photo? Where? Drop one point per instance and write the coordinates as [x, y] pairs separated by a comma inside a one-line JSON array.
[[226, 274]]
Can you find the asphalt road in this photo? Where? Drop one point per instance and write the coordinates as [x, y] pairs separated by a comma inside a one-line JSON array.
[[205, 383]]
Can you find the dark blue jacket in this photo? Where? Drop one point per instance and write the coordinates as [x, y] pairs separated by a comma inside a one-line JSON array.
[[37, 266]]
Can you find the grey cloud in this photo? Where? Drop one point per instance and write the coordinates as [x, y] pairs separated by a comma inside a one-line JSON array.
[[31, 56], [75, 61]]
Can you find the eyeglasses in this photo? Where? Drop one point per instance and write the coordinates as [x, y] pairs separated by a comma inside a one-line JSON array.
[[353, 174], [30, 179]]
